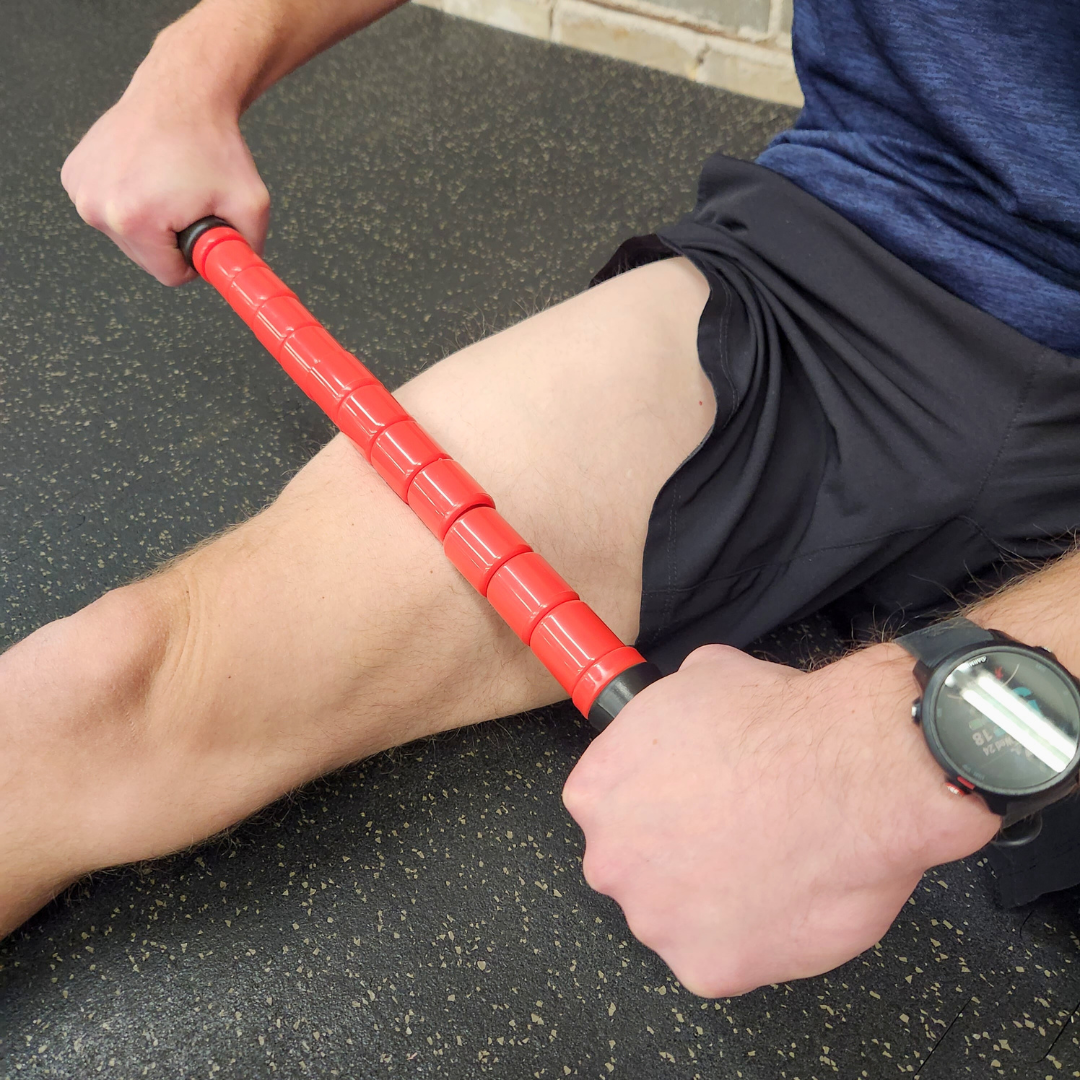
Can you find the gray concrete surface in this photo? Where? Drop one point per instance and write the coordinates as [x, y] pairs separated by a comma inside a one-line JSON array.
[[422, 913]]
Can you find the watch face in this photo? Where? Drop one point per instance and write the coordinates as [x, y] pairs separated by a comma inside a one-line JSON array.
[[1009, 721]]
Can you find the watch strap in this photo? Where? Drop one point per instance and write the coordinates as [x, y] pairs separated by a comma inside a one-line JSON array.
[[933, 643]]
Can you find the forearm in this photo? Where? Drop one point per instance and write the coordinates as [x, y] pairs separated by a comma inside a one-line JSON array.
[[225, 53], [1041, 609]]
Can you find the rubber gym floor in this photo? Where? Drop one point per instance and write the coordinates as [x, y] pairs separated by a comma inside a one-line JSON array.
[[422, 913]]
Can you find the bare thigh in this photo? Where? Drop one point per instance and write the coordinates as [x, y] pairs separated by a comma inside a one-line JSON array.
[[331, 625]]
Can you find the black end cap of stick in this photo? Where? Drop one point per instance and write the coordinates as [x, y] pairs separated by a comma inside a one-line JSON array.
[[185, 240], [620, 690]]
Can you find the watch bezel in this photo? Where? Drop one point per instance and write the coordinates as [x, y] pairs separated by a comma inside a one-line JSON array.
[[928, 714]]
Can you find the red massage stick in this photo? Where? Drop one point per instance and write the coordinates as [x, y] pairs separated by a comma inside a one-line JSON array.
[[592, 665]]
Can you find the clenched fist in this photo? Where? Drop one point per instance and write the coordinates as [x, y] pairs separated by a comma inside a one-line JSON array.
[[156, 162]]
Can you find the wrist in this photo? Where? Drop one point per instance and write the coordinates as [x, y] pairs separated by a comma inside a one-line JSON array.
[[933, 823], [205, 63]]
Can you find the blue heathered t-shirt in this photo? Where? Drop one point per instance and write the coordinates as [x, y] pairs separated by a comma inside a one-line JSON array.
[[949, 130]]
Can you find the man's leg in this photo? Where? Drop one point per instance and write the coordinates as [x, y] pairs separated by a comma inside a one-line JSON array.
[[331, 626]]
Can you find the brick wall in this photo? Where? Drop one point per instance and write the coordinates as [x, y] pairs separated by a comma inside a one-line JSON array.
[[740, 45]]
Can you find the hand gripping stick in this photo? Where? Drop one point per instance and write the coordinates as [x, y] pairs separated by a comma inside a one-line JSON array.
[[592, 665]]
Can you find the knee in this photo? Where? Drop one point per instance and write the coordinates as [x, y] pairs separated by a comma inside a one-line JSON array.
[[95, 667], [126, 636], [76, 733]]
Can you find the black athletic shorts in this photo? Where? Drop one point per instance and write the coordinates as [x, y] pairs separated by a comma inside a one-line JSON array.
[[878, 444]]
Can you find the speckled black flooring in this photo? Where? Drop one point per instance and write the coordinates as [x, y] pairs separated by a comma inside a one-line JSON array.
[[423, 913]]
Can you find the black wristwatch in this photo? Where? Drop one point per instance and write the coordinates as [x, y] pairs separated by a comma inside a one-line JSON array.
[[1000, 717]]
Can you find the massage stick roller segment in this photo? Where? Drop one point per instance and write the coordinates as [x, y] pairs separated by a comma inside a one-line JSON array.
[[592, 665]]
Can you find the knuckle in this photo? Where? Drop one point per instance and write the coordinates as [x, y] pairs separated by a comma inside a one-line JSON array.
[[713, 976], [133, 213], [601, 872], [250, 208], [717, 970], [573, 797], [715, 980], [649, 930], [709, 653], [577, 793], [89, 210], [123, 218], [709, 986]]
